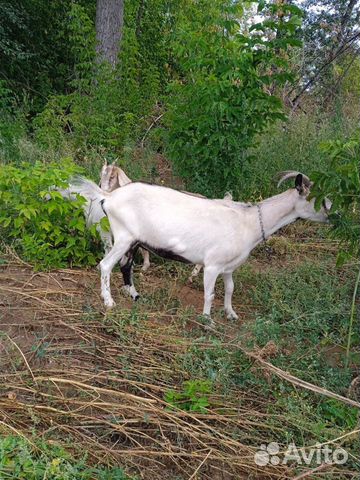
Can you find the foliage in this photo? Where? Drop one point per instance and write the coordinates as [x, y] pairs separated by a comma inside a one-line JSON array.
[[192, 398], [330, 28], [12, 125], [106, 107], [293, 145], [338, 413], [341, 184], [35, 54], [82, 45], [221, 98], [347, 71], [214, 363], [48, 232], [21, 459]]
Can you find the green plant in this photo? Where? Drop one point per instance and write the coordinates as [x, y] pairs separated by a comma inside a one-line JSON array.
[[338, 413], [302, 310], [33, 460], [106, 107], [220, 101], [50, 233], [341, 184], [290, 145], [12, 124], [192, 398]]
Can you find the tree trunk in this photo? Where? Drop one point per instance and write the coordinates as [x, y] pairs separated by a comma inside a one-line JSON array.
[[109, 27]]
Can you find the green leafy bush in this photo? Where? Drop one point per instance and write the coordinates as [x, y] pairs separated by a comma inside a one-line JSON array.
[[221, 99], [50, 233], [22, 460], [12, 124], [339, 414], [341, 184], [107, 107]]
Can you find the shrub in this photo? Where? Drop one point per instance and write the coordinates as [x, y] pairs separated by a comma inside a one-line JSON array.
[[221, 100], [341, 184], [291, 145], [12, 124], [106, 107], [48, 233]]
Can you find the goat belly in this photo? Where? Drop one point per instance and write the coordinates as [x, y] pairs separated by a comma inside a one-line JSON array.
[[168, 254]]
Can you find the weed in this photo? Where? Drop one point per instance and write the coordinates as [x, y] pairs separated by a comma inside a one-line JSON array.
[[193, 396], [20, 459], [338, 413]]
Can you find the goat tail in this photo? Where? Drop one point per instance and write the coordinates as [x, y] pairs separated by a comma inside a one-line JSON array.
[[93, 195], [87, 189]]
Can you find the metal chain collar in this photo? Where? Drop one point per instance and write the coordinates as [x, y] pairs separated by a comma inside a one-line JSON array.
[[261, 223], [268, 249]]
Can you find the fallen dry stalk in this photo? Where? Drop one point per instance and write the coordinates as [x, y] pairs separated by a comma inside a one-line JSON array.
[[301, 383]]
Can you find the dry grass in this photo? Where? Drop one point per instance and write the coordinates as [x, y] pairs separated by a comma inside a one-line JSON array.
[[101, 384], [96, 382]]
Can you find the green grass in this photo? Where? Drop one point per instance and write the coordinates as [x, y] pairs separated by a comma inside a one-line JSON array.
[[22, 459], [305, 310]]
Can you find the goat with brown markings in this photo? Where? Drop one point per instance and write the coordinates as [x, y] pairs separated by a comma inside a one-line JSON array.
[[111, 178]]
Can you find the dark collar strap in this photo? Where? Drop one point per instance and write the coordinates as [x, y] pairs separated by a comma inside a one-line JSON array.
[[261, 222]]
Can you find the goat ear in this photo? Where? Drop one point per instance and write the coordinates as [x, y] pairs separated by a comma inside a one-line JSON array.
[[105, 163], [299, 185], [123, 179]]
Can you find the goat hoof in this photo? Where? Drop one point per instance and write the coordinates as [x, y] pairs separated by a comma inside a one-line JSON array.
[[110, 304], [232, 316], [145, 268], [136, 298]]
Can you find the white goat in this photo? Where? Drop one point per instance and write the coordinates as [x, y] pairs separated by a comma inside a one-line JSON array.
[[111, 178], [195, 230]]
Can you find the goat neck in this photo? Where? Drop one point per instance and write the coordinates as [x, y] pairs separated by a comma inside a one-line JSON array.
[[276, 212]]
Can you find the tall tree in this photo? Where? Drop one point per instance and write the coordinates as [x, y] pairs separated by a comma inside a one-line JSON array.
[[331, 34], [109, 27]]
